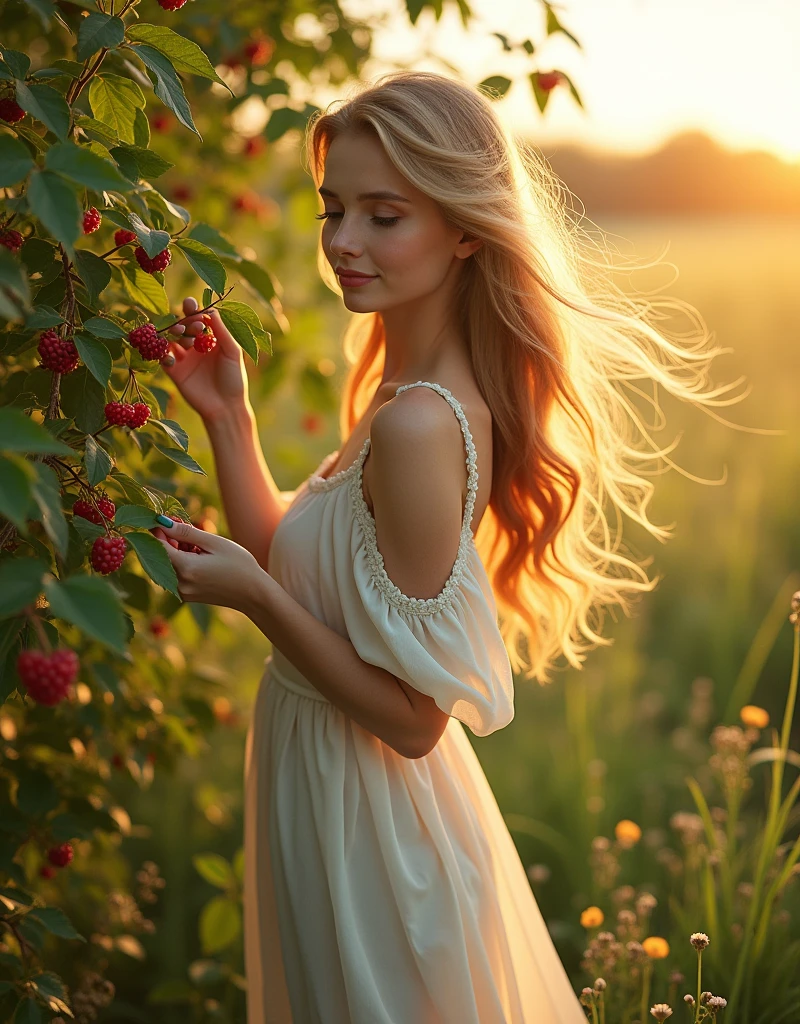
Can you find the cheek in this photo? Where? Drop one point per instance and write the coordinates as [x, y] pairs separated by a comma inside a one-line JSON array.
[[410, 253]]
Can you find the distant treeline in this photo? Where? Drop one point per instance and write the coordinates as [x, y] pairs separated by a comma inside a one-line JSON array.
[[691, 173]]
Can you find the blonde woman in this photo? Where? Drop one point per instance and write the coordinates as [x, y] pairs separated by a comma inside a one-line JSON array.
[[382, 885]]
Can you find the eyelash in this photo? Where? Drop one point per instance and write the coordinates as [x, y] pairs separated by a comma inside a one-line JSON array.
[[385, 222]]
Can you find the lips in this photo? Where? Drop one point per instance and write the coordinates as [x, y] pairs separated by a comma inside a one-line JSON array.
[[353, 273]]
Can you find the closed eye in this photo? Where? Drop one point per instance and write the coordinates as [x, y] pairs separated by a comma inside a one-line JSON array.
[[385, 222]]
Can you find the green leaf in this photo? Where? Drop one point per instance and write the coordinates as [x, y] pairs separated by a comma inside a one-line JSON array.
[[91, 604], [49, 985], [97, 32], [153, 242], [91, 126], [258, 278], [83, 398], [220, 923], [97, 461], [56, 922], [205, 263], [184, 54], [115, 100], [103, 327], [16, 489], [55, 204], [93, 271], [281, 120], [215, 869], [46, 10], [15, 160], [42, 317], [166, 83], [95, 357], [20, 584], [37, 793], [144, 290], [497, 84], [47, 495], [243, 323], [79, 164], [140, 516], [14, 286], [47, 105], [19, 63], [28, 1011], [19, 433], [137, 162], [213, 239], [175, 431], [181, 457], [154, 560]]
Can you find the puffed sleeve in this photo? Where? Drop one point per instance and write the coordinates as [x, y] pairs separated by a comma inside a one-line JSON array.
[[448, 647]]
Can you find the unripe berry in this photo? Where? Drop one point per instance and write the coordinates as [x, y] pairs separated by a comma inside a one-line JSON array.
[[91, 220], [160, 261], [10, 110], [58, 354], [11, 239], [108, 554], [122, 236], [47, 677], [60, 855]]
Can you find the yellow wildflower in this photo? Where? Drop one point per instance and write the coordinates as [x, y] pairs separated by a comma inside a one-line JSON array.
[[754, 716], [627, 832], [592, 917], [656, 947]]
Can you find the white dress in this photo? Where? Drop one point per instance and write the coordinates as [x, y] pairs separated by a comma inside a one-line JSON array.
[[381, 889]]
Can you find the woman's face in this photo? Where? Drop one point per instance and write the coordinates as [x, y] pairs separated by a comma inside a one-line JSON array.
[[400, 238]]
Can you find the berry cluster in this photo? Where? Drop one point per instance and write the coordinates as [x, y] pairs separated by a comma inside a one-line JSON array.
[[11, 239], [59, 857], [47, 677], [160, 261], [171, 5], [108, 554], [10, 110], [91, 220], [84, 509], [148, 341], [122, 236], [58, 354], [127, 414]]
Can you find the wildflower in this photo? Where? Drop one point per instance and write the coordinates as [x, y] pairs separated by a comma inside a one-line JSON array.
[[592, 917], [587, 996], [626, 918], [645, 902], [704, 997], [656, 947], [538, 873], [688, 999], [661, 1011], [624, 894], [717, 1003], [676, 978], [699, 940], [627, 832], [599, 984], [754, 716]]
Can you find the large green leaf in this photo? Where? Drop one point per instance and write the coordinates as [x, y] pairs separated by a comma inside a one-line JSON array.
[[19, 433], [80, 164], [215, 869], [184, 54], [15, 160], [154, 559], [175, 431], [166, 83], [16, 489], [95, 356], [181, 457], [54, 202], [19, 64], [97, 461], [47, 495], [99, 31], [20, 583], [144, 290], [28, 1011], [47, 105], [42, 317], [14, 286], [135, 515], [203, 261], [93, 271], [153, 242], [114, 100], [138, 162], [56, 922], [91, 604], [84, 398], [104, 327]]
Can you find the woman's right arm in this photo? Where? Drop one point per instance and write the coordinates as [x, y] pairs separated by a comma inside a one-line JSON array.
[[250, 497]]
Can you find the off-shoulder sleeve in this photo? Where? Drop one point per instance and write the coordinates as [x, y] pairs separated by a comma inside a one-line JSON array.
[[448, 647]]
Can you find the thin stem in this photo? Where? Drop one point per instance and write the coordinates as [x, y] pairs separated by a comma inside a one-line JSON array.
[[197, 312], [699, 968]]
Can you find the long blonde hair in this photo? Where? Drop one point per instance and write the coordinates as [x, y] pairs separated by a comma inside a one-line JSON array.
[[553, 342]]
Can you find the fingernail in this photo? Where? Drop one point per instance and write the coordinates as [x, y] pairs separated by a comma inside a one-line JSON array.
[[168, 360], [165, 521]]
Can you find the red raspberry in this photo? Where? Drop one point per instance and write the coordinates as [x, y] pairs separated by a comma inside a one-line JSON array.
[[86, 510], [548, 79], [259, 51], [159, 625], [107, 507], [122, 236], [91, 220], [117, 413], [206, 341], [11, 239], [248, 202], [108, 553], [182, 193], [161, 122], [150, 343], [60, 855], [47, 677], [58, 354], [10, 110], [171, 5], [255, 146], [139, 415], [47, 871], [160, 261]]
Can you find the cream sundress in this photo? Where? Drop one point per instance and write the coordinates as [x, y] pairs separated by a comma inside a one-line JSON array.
[[381, 889]]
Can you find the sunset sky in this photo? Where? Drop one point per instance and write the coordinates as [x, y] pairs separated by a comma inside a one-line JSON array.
[[648, 68]]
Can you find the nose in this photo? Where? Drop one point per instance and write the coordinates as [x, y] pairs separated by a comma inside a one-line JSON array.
[[345, 239]]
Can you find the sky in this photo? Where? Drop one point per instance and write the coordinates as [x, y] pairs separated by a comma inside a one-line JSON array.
[[647, 69]]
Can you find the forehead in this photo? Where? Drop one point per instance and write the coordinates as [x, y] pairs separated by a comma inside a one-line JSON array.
[[358, 163]]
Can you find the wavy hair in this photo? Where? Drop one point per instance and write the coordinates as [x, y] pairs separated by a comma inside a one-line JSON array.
[[554, 344]]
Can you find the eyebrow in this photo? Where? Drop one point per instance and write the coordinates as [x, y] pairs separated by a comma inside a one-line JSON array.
[[380, 194]]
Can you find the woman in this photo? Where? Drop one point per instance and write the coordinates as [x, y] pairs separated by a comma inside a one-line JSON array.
[[382, 886]]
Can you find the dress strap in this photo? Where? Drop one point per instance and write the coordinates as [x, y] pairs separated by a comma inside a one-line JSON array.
[[472, 456]]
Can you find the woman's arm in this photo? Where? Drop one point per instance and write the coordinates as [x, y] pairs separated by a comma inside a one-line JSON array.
[[251, 499]]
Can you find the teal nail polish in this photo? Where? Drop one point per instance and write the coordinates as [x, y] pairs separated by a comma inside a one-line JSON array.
[[165, 521]]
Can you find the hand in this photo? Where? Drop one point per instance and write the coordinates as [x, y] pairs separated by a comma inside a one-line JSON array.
[[224, 573], [213, 383]]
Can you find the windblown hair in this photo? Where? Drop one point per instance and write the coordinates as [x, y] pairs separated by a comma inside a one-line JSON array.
[[554, 343]]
